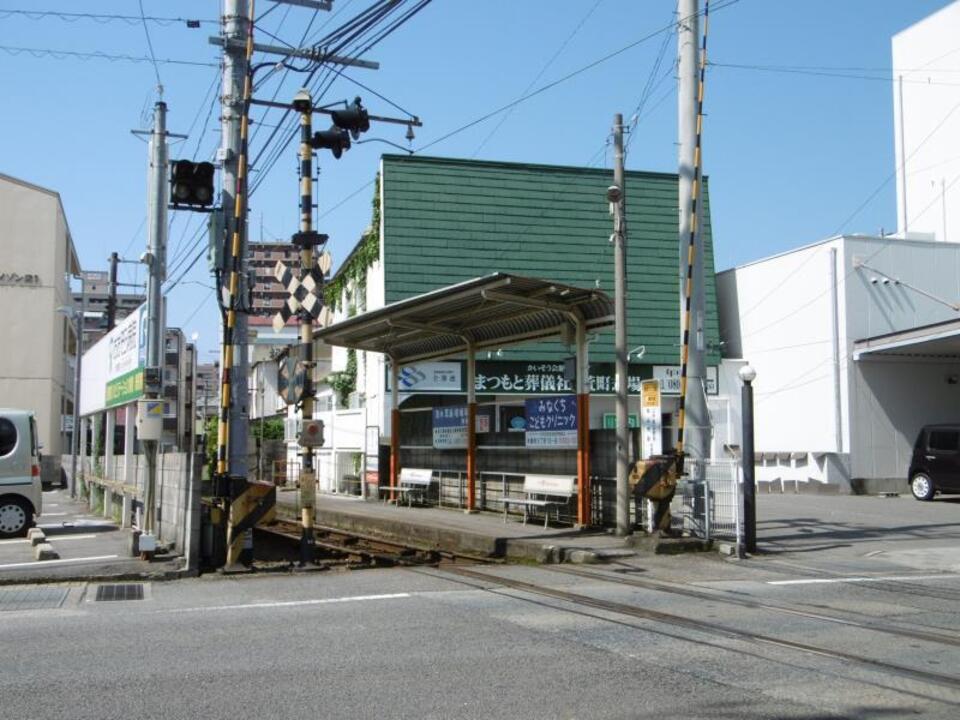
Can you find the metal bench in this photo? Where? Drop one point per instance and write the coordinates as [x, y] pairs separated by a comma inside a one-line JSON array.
[[543, 491], [414, 484]]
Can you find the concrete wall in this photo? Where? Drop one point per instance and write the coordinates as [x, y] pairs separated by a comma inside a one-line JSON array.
[[925, 56], [33, 371]]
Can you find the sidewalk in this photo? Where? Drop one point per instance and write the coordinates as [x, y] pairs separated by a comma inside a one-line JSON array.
[[89, 548]]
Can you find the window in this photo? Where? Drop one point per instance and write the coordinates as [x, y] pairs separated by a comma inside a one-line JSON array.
[[944, 440], [8, 437]]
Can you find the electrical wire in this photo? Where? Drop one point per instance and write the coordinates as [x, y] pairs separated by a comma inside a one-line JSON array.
[[536, 79], [101, 18], [67, 54], [153, 56], [799, 70]]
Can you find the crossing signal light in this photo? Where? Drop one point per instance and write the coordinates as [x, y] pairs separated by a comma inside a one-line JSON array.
[[335, 140], [191, 183], [353, 118]]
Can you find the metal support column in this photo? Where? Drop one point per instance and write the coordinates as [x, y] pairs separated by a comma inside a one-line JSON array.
[[394, 428], [471, 428], [583, 427], [747, 375], [617, 203]]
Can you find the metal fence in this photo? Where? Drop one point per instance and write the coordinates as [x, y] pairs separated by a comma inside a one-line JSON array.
[[709, 509]]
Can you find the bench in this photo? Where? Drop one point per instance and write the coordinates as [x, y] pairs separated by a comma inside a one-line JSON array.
[[414, 483], [543, 491]]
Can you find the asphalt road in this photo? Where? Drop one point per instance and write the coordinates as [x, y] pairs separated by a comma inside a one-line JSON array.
[[692, 637]]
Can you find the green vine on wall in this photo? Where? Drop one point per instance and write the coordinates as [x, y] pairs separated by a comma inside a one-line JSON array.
[[364, 255], [345, 382]]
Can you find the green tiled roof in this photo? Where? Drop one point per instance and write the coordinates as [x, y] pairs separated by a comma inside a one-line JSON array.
[[449, 220]]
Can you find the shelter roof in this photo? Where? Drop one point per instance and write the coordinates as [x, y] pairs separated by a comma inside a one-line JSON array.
[[490, 311]]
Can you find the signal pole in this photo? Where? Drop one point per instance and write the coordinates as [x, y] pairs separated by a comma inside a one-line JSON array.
[[305, 239], [617, 206]]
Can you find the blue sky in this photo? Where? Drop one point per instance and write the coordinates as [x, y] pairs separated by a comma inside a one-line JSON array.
[[791, 156]]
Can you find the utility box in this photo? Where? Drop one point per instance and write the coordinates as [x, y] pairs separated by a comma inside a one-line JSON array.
[[150, 420]]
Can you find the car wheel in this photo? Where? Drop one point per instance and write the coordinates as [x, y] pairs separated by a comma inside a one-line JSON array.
[[15, 517], [922, 487]]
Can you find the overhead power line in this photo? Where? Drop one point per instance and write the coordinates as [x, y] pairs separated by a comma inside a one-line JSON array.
[[101, 18], [66, 54], [153, 56]]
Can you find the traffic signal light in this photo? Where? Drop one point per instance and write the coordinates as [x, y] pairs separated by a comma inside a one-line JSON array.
[[353, 118], [334, 139], [191, 183]]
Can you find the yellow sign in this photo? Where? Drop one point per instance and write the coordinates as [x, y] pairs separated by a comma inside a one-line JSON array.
[[154, 407], [650, 393]]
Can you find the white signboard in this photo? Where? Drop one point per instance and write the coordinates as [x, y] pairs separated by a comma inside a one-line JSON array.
[[127, 344], [450, 426], [651, 418], [669, 377], [430, 376]]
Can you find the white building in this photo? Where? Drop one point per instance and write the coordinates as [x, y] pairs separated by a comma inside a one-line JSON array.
[[856, 343], [37, 257], [926, 98]]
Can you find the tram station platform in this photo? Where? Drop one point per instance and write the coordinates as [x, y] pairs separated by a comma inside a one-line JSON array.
[[480, 535]]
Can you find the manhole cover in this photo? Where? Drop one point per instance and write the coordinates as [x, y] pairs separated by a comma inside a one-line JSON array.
[[32, 598], [131, 591]]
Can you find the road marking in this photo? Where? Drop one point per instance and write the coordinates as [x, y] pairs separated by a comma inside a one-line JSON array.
[[57, 562], [51, 505], [54, 514], [290, 603], [890, 578], [58, 538]]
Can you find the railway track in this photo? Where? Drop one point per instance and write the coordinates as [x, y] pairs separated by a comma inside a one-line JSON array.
[[915, 676], [942, 638]]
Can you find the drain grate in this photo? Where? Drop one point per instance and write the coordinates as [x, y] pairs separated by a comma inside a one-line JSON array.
[[131, 591], [32, 598]]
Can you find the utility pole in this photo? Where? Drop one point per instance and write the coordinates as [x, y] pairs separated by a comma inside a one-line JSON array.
[[112, 296], [79, 319], [236, 26], [694, 432], [616, 195], [306, 239], [156, 260]]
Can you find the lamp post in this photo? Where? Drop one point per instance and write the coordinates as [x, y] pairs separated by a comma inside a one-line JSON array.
[[747, 376]]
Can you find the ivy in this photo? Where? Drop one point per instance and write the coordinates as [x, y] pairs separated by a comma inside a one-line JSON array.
[[345, 382], [367, 252]]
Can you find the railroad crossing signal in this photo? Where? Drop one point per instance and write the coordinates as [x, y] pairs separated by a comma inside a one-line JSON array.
[[292, 378], [191, 183], [305, 291]]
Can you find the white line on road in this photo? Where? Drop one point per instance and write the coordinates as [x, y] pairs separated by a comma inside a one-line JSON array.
[[291, 603], [46, 514], [57, 562], [886, 578], [58, 538]]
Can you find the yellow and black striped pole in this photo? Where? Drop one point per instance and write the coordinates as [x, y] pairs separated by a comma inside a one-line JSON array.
[[232, 285], [691, 244]]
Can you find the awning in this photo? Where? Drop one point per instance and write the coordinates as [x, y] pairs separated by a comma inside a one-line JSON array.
[[490, 311], [937, 341]]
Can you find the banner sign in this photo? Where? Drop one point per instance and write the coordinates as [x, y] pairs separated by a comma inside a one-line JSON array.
[[450, 426], [610, 421], [126, 357], [513, 377], [651, 433], [669, 377], [552, 422]]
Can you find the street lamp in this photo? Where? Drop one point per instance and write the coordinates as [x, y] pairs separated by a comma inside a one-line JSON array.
[[747, 376]]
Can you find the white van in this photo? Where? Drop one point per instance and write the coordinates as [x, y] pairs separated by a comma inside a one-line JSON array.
[[21, 495]]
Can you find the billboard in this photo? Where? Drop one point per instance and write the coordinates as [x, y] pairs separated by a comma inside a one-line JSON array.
[[126, 358], [551, 422]]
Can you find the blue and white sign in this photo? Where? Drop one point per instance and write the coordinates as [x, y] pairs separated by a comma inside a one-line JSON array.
[[450, 427], [429, 376], [552, 422]]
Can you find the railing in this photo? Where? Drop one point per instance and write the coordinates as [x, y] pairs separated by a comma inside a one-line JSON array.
[[710, 509]]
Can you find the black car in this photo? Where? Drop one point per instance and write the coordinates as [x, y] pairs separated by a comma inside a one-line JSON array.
[[935, 465]]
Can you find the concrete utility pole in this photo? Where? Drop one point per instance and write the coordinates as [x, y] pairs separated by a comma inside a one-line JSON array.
[[695, 421], [79, 319], [235, 24], [112, 297], [616, 195], [157, 261]]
